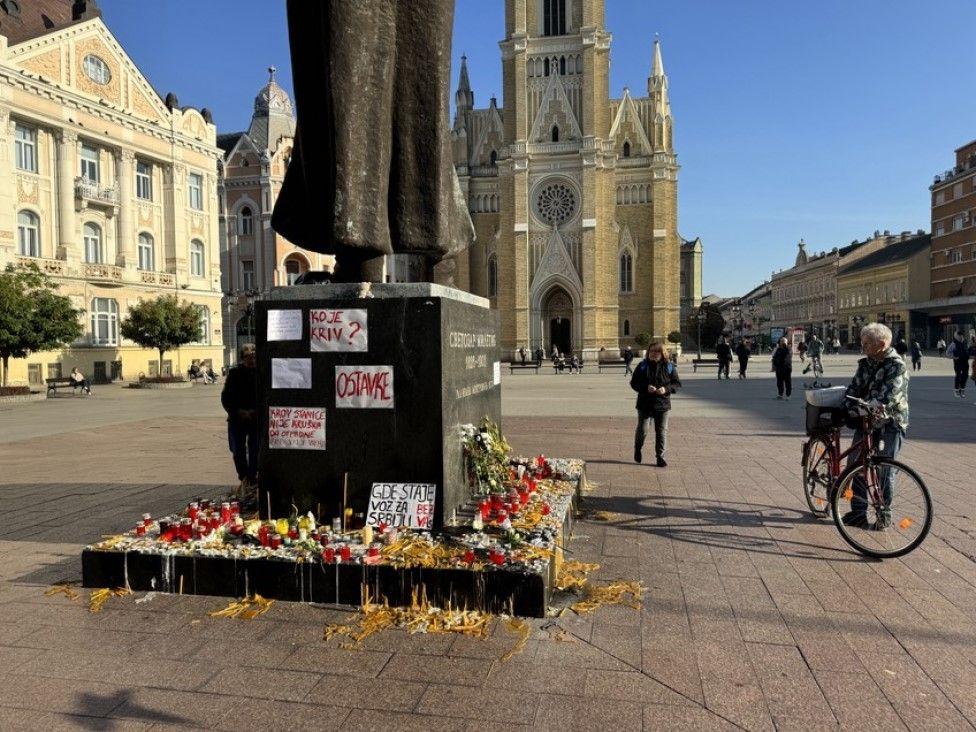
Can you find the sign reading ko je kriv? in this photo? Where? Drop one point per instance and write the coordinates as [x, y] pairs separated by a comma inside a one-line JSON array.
[[402, 504], [337, 330], [296, 428]]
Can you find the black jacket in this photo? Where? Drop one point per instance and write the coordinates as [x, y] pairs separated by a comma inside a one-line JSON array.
[[723, 351], [654, 373], [782, 359], [743, 352], [960, 351], [240, 391]]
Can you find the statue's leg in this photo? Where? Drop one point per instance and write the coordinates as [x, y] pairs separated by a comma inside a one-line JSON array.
[[362, 37], [425, 212]]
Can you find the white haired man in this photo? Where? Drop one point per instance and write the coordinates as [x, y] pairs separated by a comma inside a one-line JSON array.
[[881, 380]]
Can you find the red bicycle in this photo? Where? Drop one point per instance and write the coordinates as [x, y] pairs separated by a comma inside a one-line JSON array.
[[880, 506]]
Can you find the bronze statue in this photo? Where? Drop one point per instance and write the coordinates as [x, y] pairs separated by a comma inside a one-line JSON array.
[[371, 171]]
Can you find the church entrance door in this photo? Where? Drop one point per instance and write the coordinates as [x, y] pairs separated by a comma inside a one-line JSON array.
[[558, 313]]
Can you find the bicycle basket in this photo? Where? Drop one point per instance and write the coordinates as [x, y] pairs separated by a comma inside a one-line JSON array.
[[824, 419]]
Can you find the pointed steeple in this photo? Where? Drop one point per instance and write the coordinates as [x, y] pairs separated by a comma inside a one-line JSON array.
[[464, 96], [657, 68], [658, 80]]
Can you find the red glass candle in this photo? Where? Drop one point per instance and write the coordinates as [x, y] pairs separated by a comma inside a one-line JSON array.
[[345, 553], [328, 555], [485, 508], [146, 520], [169, 535], [186, 529], [469, 556], [235, 508], [224, 512], [496, 501], [205, 504], [140, 529], [546, 509], [192, 510], [315, 535], [523, 497], [501, 516], [373, 551], [264, 535], [293, 532], [497, 556], [163, 525], [275, 541]]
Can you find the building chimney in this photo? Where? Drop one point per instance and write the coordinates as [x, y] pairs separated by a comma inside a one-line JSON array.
[[85, 10]]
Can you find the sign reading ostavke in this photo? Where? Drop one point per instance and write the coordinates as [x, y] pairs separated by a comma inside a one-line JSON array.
[[364, 387], [402, 504], [296, 428], [337, 330]]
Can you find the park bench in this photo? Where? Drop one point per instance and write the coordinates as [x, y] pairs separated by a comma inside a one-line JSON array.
[[566, 367], [513, 367], [62, 383], [696, 362], [611, 365]]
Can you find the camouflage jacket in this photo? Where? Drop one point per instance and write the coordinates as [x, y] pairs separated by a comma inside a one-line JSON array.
[[884, 382]]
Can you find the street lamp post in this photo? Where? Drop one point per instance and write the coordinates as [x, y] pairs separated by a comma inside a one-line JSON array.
[[699, 316]]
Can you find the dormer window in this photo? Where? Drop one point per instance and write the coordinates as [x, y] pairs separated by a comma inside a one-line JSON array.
[[96, 69]]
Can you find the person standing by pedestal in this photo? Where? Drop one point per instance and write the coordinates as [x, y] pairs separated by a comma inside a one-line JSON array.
[[724, 352], [628, 355], [655, 379], [743, 351], [783, 366], [941, 345], [916, 356], [521, 353], [239, 399]]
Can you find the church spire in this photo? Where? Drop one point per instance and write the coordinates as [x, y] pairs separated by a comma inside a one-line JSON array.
[[657, 82], [657, 68], [464, 96]]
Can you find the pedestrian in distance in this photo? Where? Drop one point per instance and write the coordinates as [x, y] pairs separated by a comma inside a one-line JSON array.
[[78, 381], [655, 379], [239, 399], [815, 349], [783, 367], [724, 352], [521, 352], [916, 351], [901, 346], [958, 351], [802, 350], [743, 351], [628, 356], [941, 345], [836, 345]]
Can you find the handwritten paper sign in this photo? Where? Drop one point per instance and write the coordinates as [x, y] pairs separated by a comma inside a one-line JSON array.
[[402, 504], [364, 387], [291, 373], [284, 325], [337, 330], [296, 428]]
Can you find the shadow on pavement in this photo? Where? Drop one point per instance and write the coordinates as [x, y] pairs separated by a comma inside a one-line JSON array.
[[93, 704]]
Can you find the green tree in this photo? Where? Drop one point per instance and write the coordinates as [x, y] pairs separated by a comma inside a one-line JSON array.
[[33, 316], [643, 340], [164, 324], [674, 336], [712, 325]]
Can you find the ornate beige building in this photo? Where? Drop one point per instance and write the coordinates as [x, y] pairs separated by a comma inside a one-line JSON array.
[[573, 194], [104, 185], [254, 257]]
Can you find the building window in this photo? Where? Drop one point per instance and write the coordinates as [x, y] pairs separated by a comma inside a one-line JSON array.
[[25, 145], [28, 234], [247, 221], [626, 149], [555, 133], [97, 70], [939, 229], [89, 164], [955, 256], [626, 327], [197, 266], [195, 191], [940, 198], [957, 222], [626, 272], [293, 270], [247, 274], [545, 66], [554, 17], [492, 276], [493, 158], [204, 325], [104, 321], [147, 253], [144, 181], [957, 190], [562, 66], [94, 253]]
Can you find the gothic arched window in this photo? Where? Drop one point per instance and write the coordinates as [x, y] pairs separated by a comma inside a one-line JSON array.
[[626, 327], [562, 65], [554, 17], [627, 149], [626, 272], [493, 158], [545, 67], [492, 275], [555, 133]]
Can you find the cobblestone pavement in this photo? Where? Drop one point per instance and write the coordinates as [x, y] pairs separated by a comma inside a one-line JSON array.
[[756, 615]]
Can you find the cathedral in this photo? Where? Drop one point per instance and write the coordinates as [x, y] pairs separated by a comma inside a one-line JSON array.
[[573, 194]]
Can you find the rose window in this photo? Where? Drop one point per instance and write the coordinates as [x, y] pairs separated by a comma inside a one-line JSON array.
[[555, 203]]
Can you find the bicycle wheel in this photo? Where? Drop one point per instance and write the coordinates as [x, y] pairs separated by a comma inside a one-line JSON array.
[[876, 527], [816, 475]]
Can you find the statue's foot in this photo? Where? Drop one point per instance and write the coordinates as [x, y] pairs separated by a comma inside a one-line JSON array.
[[358, 269]]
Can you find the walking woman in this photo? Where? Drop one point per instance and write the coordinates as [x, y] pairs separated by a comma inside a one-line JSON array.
[[783, 366], [655, 379], [743, 351], [960, 363]]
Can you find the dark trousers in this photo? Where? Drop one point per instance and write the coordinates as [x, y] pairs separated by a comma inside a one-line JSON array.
[[242, 438], [660, 430], [784, 381], [723, 368], [961, 373], [916, 364], [890, 440], [743, 365]]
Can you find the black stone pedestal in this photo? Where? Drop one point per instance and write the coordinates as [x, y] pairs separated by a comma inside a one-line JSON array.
[[439, 347]]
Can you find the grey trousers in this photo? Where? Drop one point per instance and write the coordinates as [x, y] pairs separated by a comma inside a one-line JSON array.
[[660, 430]]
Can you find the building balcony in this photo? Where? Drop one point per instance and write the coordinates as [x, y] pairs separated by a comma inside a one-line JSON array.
[[104, 274], [483, 170], [93, 193], [53, 267], [554, 148], [163, 279], [955, 172]]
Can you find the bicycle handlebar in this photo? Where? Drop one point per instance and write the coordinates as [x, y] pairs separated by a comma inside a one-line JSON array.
[[877, 412]]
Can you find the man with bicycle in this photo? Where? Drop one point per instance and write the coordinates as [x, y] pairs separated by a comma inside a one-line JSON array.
[[815, 351], [881, 380]]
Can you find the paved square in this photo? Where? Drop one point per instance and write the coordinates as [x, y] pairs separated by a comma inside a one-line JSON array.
[[756, 615]]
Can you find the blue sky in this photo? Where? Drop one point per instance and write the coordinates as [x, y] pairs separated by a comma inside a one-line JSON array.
[[824, 120]]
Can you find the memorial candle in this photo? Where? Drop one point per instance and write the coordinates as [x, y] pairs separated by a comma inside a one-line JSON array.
[[192, 510], [345, 553]]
